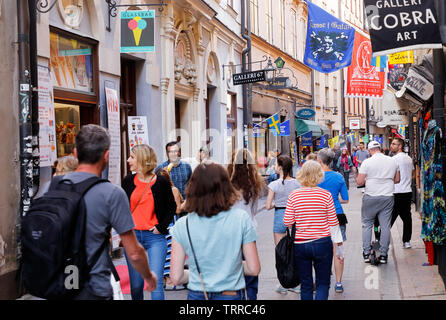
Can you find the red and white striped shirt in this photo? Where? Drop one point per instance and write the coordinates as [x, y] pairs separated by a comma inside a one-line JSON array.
[[313, 211]]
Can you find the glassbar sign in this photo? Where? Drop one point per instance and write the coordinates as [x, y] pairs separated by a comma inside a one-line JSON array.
[[248, 77], [398, 25], [138, 31]]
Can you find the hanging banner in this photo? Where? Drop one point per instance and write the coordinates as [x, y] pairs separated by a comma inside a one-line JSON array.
[[395, 111], [400, 25], [380, 62], [137, 130], [417, 84], [114, 129], [307, 139], [401, 57], [329, 44], [284, 129], [47, 127], [138, 31], [363, 79], [397, 75], [274, 123]]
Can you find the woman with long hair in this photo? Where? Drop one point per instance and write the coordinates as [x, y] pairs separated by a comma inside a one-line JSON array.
[[335, 183], [246, 179], [345, 165], [215, 236], [312, 210], [153, 207], [278, 193]]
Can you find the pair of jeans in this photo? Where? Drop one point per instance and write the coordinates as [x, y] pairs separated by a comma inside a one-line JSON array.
[[401, 207], [199, 295], [156, 247], [252, 287], [346, 175], [318, 253]]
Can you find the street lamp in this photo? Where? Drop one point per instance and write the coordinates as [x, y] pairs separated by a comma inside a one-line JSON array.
[[270, 71]]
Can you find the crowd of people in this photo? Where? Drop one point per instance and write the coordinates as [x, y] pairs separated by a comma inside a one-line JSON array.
[[194, 226]]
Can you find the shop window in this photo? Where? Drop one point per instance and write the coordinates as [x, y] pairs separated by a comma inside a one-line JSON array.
[[67, 126], [71, 63]]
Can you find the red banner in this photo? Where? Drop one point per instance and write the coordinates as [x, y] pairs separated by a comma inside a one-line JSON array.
[[363, 79]]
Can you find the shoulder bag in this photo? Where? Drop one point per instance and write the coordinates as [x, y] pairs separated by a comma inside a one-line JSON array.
[[285, 264]]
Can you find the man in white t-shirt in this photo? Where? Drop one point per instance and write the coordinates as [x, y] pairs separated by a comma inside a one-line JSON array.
[[379, 173], [403, 190]]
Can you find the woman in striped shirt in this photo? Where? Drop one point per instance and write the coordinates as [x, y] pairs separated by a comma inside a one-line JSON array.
[[312, 210]]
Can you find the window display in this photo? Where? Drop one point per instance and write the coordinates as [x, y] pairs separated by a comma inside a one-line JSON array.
[[71, 63], [67, 126]]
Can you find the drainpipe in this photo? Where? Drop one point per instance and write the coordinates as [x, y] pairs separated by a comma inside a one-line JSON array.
[[25, 110], [247, 96], [35, 94]]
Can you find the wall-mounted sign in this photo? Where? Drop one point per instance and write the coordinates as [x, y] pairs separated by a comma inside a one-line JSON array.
[[248, 77], [306, 140], [418, 84], [114, 129], [305, 113], [354, 124], [402, 25], [401, 57], [138, 31], [279, 83]]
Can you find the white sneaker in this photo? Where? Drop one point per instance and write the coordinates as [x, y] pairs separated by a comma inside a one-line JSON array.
[[281, 289], [295, 289], [406, 245]]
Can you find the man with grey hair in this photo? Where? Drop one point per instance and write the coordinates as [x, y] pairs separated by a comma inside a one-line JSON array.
[[379, 173], [108, 207]]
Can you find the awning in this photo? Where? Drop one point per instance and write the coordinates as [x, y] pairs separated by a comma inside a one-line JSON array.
[[303, 126], [325, 130]]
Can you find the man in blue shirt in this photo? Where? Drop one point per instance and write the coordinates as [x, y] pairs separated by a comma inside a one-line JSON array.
[[180, 171]]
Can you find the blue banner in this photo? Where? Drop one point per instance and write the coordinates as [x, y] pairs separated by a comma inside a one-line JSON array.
[[324, 142], [307, 139], [284, 129], [329, 45]]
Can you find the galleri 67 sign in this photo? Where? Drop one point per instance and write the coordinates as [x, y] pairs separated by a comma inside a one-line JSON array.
[[398, 25]]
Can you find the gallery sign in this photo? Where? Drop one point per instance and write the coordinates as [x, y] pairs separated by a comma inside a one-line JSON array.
[[398, 25], [248, 77], [137, 31]]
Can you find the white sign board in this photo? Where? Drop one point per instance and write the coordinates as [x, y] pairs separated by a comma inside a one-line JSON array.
[[419, 85], [138, 133], [47, 131], [395, 111], [114, 129], [354, 124]]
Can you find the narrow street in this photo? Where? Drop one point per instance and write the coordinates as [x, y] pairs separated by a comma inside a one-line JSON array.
[[361, 281]]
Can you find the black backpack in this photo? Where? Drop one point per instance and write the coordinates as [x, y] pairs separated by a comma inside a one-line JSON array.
[[285, 266], [54, 261]]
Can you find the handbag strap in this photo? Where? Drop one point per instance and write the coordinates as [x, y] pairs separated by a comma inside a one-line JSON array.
[[195, 258]]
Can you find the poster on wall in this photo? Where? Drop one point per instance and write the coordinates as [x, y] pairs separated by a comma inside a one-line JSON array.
[[114, 129], [396, 26], [138, 133], [47, 131], [363, 79]]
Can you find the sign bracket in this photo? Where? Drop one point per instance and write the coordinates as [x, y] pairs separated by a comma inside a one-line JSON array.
[[113, 8]]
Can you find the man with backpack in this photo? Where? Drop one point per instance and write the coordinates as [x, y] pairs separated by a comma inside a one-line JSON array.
[[77, 265]]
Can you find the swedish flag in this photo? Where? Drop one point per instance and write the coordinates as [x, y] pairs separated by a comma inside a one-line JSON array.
[[274, 122]]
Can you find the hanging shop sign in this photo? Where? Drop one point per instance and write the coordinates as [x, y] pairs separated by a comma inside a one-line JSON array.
[[248, 77], [305, 113], [395, 111], [138, 31], [137, 130], [401, 57], [329, 43], [363, 79], [398, 25], [114, 129], [417, 84], [307, 139], [354, 124], [47, 126], [397, 75], [279, 83]]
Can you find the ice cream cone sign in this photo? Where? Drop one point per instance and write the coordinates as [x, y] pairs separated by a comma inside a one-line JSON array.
[[137, 25]]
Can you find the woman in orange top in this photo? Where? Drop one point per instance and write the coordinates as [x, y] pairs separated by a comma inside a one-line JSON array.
[[153, 206]]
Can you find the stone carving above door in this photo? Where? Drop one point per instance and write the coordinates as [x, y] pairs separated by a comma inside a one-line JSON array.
[[71, 12]]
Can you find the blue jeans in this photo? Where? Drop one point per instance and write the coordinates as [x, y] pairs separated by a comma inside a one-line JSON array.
[[156, 246], [320, 254], [252, 287], [199, 295]]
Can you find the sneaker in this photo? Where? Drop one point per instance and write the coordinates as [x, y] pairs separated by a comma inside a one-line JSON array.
[[366, 257], [281, 289], [406, 245], [295, 289], [382, 259], [174, 288], [338, 287]]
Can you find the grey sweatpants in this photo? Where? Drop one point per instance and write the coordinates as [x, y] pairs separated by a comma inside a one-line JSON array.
[[371, 207]]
